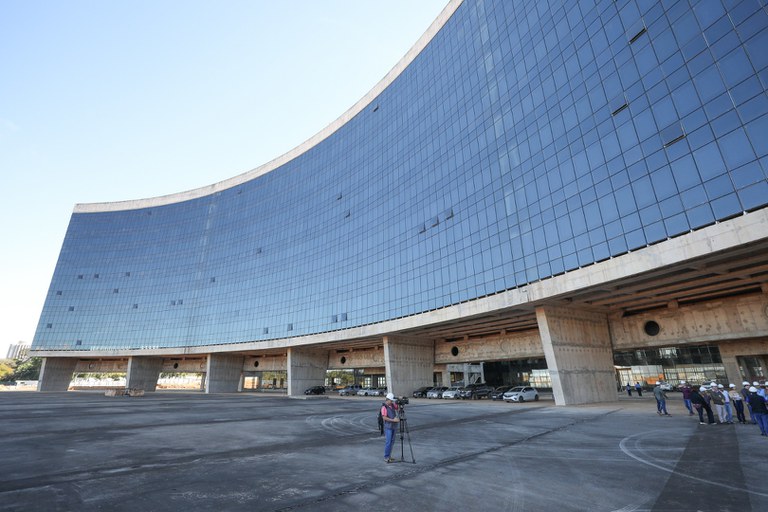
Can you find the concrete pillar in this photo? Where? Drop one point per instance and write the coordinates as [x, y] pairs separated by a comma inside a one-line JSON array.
[[56, 373], [732, 350], [223, 373], [306, 368], [577, 346], [143, 372], [409, 364]]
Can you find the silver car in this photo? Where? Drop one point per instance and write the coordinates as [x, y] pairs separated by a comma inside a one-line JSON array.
[[521, 394], [454, 392], [436, 392]]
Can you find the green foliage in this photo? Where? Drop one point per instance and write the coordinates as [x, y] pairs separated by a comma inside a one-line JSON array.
[[6, 370], [29, 369]]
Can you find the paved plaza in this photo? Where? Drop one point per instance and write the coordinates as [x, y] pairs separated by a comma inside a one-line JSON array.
[[82, 451]]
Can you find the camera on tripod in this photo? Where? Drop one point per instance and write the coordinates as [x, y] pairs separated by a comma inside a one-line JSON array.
[[400, 401]]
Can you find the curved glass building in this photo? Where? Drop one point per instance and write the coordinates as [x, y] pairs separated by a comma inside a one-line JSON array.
[[516, 145]]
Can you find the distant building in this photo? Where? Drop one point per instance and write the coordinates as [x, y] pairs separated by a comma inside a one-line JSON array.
[[18, 351]]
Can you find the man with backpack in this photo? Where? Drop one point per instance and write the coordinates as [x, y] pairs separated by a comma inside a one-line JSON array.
[[388, 415]]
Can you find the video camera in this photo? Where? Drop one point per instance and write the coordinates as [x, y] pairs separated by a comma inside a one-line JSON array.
[[402, 400]]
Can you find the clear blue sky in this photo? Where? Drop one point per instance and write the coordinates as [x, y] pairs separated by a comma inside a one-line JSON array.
[[107, 101]]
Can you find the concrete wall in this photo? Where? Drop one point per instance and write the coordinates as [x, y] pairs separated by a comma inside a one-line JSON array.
[[101, 365], [143, 372], [729, 351], [223, 373], [409, 364], [366, 358], [306, 368], [577, 346], [710, 322], [56, 373], [185, 365], [265, 364], [521, 345]]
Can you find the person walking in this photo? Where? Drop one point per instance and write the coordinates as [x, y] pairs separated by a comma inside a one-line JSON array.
[[661, 400], [727, 400], [629, 389], [686, 390], [699, 402], [391, 420], [759, 410], [639, 389], [718, 400], [745, 393], [738, 403]]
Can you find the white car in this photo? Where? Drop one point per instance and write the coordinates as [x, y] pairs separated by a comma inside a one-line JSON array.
[[368, 392], [452, 392], [521, 394], [436, 392]]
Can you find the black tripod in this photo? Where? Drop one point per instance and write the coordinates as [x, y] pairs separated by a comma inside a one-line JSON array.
[[404, 434]]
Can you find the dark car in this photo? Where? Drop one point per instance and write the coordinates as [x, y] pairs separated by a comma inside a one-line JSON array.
[[421, 392], [315, 390], [475, 391], [498, 393]]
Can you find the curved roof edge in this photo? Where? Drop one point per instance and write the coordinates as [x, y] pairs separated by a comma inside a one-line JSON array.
[[323, 134]]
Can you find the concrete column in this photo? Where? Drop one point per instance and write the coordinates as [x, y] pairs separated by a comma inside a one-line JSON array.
[[577, 346], [223, 373], [56, 373], [409, 364], [143, 372], [306, 368], [731, 350]]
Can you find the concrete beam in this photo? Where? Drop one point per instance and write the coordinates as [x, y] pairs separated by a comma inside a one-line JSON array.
[[56, 373], [577, 346], [143, 372], [306, 367], [409, 364], [223, 373]]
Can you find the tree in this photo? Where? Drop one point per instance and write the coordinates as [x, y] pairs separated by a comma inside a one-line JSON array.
[[6, 371], [29, 369]]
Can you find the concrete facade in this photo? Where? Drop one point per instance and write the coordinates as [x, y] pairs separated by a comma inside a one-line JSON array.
[[409, 364], [56, 373], [577, 345], [306, 368], [223, 373], [143, 372]]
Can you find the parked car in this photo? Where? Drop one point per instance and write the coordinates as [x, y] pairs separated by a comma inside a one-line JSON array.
[[475, 391], [521, 394], [315, 390], [498, 393], [368, 392], [421, 392], [350, 390], [436, 392], [666, 386], [454, 392], [379, 392]]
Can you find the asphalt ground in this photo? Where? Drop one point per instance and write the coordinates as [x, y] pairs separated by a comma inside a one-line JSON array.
[[167, 451]]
